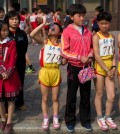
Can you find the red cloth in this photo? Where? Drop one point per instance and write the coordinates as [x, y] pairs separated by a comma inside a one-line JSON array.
[[12, 85], [33, 21]]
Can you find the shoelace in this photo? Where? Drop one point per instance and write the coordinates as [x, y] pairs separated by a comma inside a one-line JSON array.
[[45, 121], [102, 121], [110, 120], [56, 120]]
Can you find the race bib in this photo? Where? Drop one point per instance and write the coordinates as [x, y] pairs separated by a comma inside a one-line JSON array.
[[52, 54], [106, 47]]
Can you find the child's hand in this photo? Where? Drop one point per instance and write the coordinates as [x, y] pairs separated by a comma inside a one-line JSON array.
[[111, 73], [90, 59], [44, 19], [84, 59], [4, 76], [64, 61]]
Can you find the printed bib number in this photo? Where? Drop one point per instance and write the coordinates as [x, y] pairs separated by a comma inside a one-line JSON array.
[[106, 47], [52, 54]]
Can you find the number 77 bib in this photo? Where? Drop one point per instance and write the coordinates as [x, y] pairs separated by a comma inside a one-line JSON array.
[[52, 54]]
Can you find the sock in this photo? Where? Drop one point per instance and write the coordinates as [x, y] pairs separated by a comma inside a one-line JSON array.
[[99, 117], [55, 116], [107, 116]]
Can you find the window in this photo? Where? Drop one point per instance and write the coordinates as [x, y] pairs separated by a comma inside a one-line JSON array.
[[91, 4], [1, 3]]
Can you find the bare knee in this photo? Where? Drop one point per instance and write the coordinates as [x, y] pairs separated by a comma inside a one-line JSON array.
[[55, 99], [44, 99], [99, 94], [111, 98]]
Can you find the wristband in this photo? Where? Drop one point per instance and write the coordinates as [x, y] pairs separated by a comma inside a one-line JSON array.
[[90, 57], [113, 67]]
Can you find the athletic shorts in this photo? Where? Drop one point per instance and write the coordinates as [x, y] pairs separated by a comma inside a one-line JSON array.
[[99, 70], [49, 77]]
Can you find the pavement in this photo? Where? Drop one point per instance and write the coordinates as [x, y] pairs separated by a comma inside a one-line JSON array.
[[29, 121]]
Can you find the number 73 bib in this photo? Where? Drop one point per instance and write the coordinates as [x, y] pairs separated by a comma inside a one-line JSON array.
[[52, 54]]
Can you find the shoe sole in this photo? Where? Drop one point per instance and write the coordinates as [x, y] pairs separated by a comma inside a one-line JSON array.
[[70, 130]]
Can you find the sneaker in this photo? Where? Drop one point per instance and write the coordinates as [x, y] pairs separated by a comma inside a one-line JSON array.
[[87, 126], [8, 128], [70, 128], [22, 108], [2, 125], [29, 71], [45, 124], [110, 123], [102, 124], [56, 124]]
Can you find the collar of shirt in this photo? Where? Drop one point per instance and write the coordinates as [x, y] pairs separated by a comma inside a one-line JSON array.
[[4, 41], [79, 29]]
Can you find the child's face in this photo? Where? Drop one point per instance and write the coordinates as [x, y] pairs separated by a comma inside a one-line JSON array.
[[14, 22], [2, 14], [96, 12], [104, 25], [78, 19], [54, 30], [4, 32]]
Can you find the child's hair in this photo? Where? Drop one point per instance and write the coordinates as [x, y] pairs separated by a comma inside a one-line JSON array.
[[16, 6], [46, 10], [11, 14], [23, 12], [2, 22], [58, 9], [2, 9], [104, 16], [76, 8], [34, 10], [99, 9]]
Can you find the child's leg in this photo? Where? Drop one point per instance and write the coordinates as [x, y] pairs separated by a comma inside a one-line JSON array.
[[11, 108], [119, 95], [44, 92], [110, 90], [99, 94], [100, 81], [2, 111], [9, 125], [55, 93]]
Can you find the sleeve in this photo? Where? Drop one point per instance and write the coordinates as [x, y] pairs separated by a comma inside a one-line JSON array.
[[25, 42], [91, 54], [65, 47], [13, 57]]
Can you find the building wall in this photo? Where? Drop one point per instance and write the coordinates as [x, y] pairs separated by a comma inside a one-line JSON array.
[[112, 5]]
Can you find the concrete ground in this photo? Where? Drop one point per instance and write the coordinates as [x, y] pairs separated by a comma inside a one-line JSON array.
[[29, 121]]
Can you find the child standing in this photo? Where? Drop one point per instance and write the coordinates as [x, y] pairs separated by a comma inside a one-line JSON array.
[[49, 75], [119, 67], [2, 13], [105, 65], [20, 37], [77, 49], [9, 79]]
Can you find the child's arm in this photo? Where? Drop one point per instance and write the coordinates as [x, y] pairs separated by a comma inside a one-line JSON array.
[[113, 69], [34, 34], [119, 40], [12, 61], [65, 47], [97, 54]]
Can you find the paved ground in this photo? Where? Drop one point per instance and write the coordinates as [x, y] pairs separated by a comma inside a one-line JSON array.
[[30, 120]]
